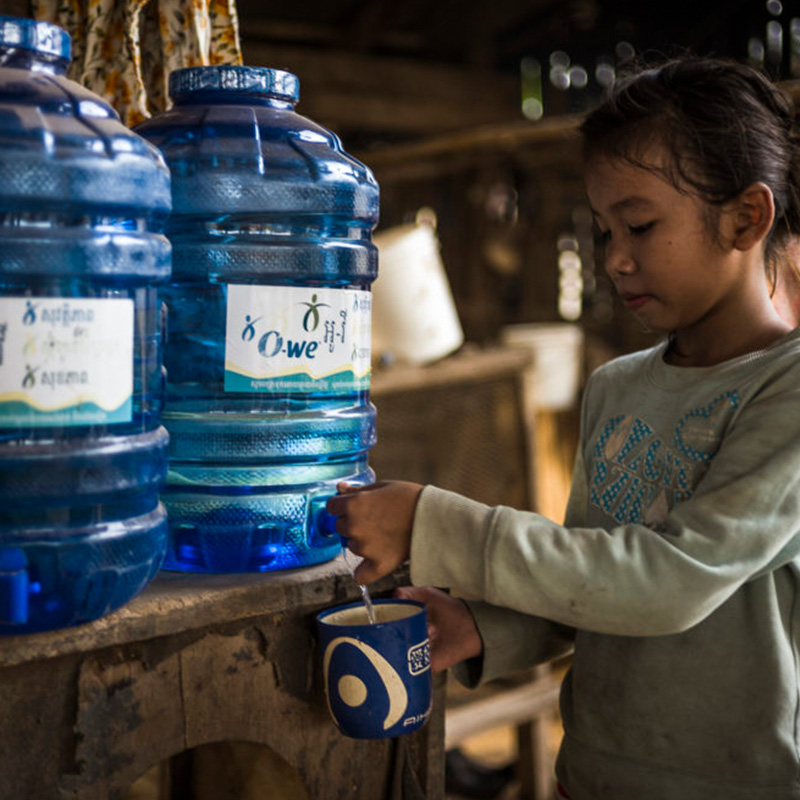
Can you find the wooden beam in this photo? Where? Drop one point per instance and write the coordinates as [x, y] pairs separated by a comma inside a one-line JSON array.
[[530, 144], [435, 154], [509, 707], [492, 137], [343, 90]]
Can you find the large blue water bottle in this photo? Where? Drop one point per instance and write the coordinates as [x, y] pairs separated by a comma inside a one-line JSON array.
[[268, 351], [82, 449]]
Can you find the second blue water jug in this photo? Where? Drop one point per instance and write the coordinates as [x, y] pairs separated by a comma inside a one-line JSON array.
[[268, 347]]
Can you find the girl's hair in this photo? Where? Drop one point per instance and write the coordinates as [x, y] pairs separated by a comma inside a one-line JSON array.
[[724, 125]]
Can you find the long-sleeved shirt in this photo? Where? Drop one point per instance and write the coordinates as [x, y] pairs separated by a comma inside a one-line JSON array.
[[676, 574]]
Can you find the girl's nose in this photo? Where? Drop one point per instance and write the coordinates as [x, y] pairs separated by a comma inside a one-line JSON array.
[[618, 259]]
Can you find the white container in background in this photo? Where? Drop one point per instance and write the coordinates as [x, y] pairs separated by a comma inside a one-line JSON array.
[[414, 317], [554, 379]]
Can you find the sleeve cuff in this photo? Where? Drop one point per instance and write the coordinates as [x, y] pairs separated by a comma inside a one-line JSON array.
[[512, 641]]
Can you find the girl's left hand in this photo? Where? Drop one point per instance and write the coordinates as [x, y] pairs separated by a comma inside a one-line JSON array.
[[376, 520], [451, 627]]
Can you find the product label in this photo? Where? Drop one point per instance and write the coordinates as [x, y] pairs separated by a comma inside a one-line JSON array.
[[297, 339], [65, 361]]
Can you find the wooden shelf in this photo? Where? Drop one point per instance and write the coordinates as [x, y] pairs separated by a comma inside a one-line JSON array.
[[470, 365], [176, 602]]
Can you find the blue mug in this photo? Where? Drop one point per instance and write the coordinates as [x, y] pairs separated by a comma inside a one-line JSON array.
[[377, 676]]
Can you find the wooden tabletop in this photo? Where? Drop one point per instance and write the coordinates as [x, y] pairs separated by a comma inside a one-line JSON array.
[[176, 602]]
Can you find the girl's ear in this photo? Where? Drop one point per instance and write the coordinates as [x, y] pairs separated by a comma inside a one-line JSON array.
[[753, 215]]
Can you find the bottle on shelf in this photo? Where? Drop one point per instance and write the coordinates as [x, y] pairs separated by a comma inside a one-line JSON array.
[[83, 201], [269, 311]]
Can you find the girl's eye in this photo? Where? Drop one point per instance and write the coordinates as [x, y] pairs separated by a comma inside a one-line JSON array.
[[638, 230]]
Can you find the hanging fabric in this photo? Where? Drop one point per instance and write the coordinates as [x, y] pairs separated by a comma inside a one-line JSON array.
[[124, 50]]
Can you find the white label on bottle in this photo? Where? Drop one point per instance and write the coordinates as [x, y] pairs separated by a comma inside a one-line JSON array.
[[297, 339], [65, 361]]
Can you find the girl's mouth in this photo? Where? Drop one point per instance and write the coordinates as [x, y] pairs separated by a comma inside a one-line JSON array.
[[634, 301]]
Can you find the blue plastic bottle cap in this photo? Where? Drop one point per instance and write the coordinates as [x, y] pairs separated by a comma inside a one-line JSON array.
[[253, 80], [28, 34]]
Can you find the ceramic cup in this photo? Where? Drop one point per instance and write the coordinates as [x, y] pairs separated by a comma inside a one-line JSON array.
[[377, 676]]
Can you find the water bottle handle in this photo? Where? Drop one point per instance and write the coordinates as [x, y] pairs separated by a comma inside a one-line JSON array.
[[15, 586], [326, 523]]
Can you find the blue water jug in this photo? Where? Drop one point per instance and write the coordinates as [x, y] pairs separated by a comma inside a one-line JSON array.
[[268, 350], [83, 201]]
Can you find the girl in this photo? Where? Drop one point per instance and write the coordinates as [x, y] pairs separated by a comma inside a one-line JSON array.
[[676, 576]]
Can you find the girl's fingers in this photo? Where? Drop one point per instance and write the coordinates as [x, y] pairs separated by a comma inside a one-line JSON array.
[[336, 505], [365, 573], [354, 547], [352, 488], [347, 488]]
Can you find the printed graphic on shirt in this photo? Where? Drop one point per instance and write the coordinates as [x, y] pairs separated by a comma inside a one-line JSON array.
[[637, 477]]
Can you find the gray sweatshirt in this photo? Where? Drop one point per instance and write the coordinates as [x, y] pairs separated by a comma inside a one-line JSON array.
[[676, 575]]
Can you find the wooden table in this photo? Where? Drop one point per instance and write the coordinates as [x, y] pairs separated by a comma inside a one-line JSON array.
[[195, 659]]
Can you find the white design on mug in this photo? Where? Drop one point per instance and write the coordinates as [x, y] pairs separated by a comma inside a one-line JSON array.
[[419, 657], [351, 692]]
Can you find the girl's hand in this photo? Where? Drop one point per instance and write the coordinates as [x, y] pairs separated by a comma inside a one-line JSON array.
[[451, 626], [376, 520]]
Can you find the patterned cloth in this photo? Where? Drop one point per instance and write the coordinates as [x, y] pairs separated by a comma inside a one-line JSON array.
[[124, 50]]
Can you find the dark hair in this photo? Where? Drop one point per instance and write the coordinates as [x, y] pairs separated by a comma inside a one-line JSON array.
[[725, 126]]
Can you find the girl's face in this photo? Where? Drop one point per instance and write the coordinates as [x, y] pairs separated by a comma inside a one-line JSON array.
[[670, 268]]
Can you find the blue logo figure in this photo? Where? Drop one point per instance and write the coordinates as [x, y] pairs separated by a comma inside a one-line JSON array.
[[249, 332], [312, 313], [29, 381], [29, 317]]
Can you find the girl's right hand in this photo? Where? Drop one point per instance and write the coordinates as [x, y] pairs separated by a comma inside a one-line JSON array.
[[377, 521], [451, 627]]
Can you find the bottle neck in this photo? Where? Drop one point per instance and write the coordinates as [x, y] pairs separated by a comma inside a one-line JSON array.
[[23, 58]]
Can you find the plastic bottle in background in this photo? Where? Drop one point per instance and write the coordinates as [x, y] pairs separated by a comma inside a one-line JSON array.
[[268, 347], [82, 449]]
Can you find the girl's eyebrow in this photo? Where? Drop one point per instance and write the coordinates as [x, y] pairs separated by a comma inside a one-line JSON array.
[[633, 201], [630, 202]]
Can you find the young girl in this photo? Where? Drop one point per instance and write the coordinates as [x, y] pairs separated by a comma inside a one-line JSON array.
[[676, 576]]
